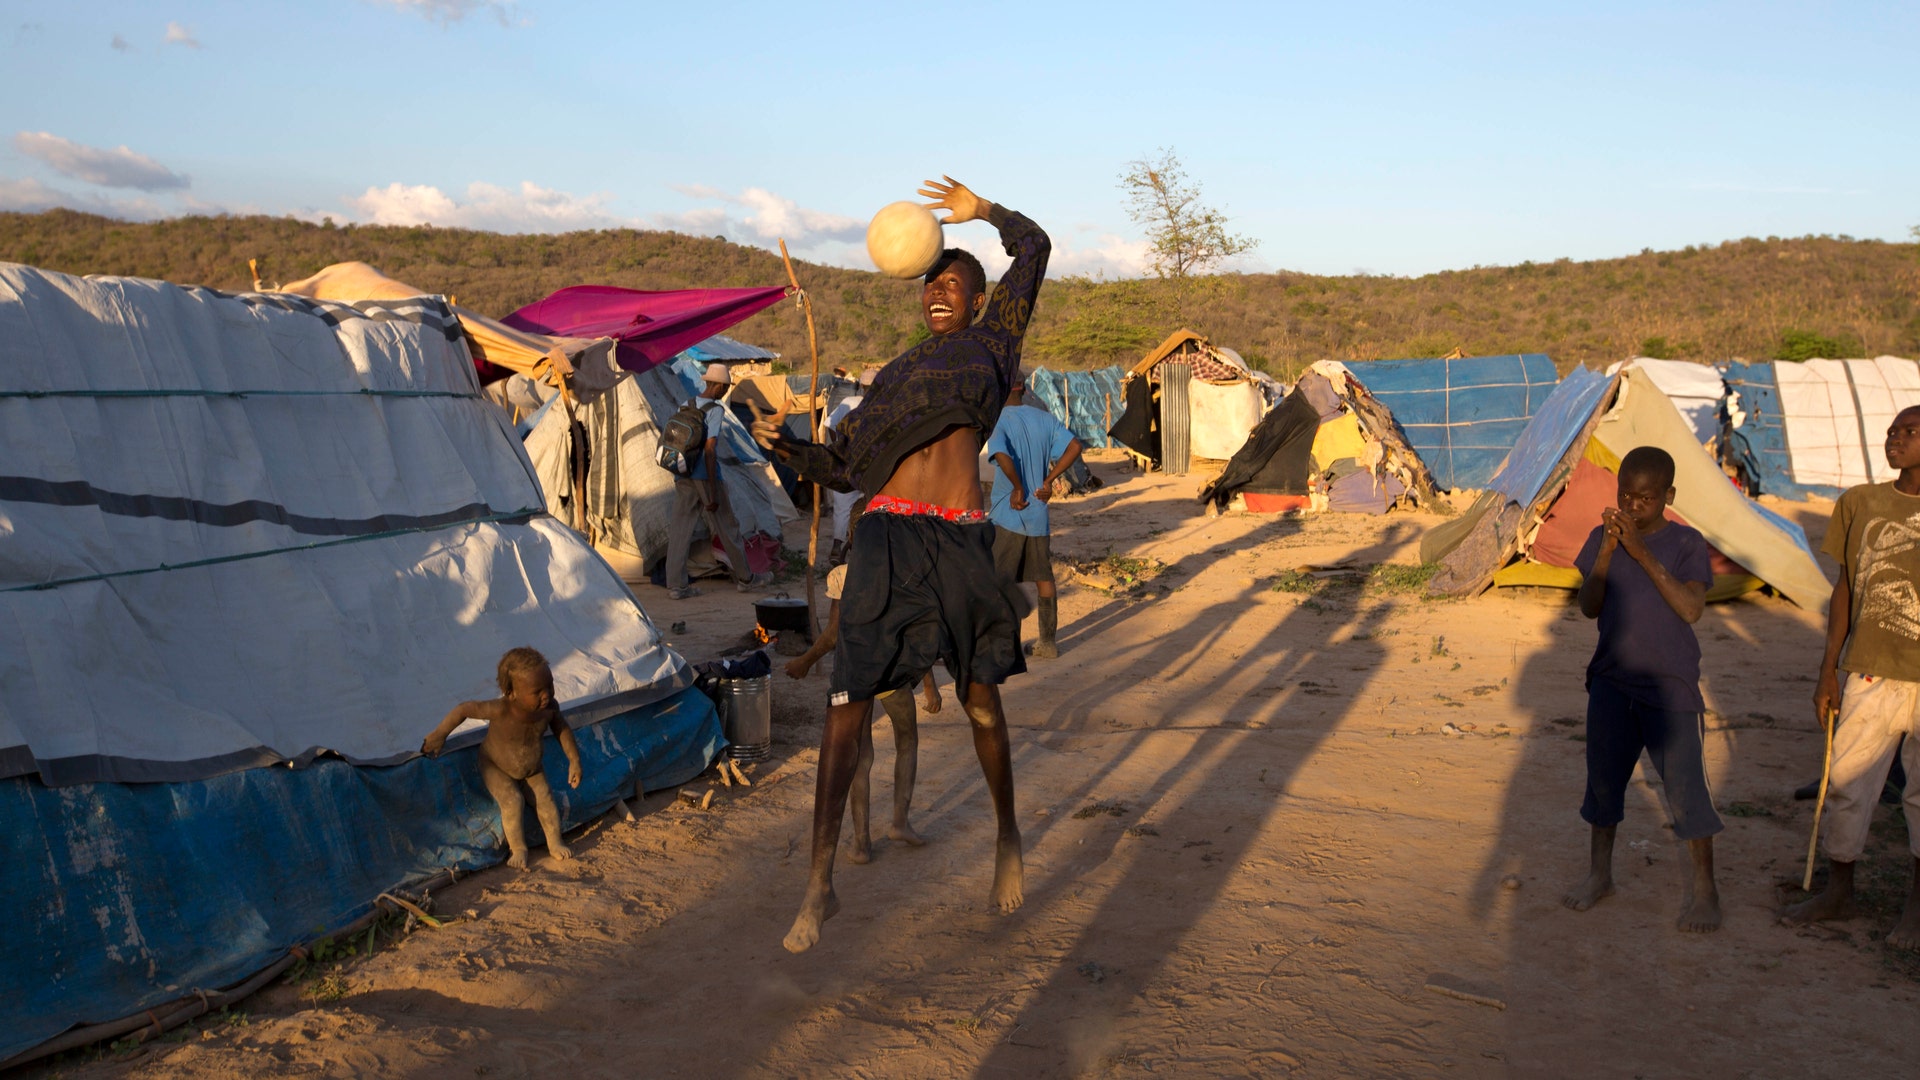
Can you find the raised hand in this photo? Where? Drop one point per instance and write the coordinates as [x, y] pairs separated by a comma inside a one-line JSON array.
[[954, 197]]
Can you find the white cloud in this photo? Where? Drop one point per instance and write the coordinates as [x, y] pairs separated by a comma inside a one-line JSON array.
[[528, 208], [181, 35], [448, 12], [120, 44], [120, 167], [772, 217], [30, 196]]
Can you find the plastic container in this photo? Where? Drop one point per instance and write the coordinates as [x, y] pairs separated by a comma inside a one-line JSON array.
[[746, 717]]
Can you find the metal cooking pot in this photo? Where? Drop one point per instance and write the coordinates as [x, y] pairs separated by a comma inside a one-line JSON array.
[[781, 612]]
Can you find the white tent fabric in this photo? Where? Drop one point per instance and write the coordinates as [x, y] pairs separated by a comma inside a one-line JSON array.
[[630, 497], [1837, 413], [236, 530], [1694, 389], [1223, 415]]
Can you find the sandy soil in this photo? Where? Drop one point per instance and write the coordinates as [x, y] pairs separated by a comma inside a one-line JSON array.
[[1252, 844]]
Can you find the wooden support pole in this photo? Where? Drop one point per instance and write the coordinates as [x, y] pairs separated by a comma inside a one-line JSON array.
[[816, 415]]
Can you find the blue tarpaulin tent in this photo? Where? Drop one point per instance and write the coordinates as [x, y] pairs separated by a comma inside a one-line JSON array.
[[1462, 415], [1088, 402], [1759, 445]]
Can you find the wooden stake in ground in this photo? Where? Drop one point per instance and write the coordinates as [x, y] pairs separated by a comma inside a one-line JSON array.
[[817, 415], [1826, 774]]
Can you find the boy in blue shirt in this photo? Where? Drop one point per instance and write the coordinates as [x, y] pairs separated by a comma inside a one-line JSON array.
[[1645, 579], [1032, 450]]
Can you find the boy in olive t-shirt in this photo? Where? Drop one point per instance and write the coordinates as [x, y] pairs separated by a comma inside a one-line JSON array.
[[1873, 634]]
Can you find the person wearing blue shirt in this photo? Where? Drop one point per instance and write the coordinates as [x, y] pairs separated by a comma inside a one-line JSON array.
[[1031, 450]]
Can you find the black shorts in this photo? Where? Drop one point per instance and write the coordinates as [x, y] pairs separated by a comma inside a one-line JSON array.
[[1020, 557], [923, 590], [1618, 728]]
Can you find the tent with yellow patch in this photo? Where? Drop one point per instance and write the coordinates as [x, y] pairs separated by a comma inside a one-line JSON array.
[[1547, 497]]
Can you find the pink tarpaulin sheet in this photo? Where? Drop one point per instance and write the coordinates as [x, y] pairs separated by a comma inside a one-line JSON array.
[[651, 327]]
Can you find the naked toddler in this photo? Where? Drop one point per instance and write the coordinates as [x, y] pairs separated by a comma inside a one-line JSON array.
[[511, 751]]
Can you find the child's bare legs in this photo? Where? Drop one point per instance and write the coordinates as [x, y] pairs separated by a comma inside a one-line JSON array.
[[839, 751], [1700, 912], [990, 745], [858, 794], [906, 760], [549, 816], [506, 792], [1599, 882]]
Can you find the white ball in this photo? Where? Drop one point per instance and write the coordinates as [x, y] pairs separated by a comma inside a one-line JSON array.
[[904, 240]]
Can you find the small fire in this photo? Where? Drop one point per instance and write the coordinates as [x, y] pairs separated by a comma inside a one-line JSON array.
[[761, 635]]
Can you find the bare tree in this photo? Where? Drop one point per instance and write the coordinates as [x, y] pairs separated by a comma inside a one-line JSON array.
[[1188, 237]]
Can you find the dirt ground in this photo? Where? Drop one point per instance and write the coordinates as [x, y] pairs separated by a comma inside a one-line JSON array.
[[1260, 822]]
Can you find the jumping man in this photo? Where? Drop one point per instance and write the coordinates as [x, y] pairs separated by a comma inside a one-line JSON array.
[[921, 583]]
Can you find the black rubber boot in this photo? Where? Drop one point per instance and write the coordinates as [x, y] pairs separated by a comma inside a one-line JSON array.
[[1045, 649]]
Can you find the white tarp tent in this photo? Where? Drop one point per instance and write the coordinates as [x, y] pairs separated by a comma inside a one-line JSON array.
[[629, 497], [1837, 413], [236, 530], [1695, 390]]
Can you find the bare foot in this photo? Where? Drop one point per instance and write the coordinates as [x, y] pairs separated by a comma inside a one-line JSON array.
[[517, 860], [860, 851], [1595, 888], [559, 851], [905, 835], [1828, 904], [806, 925], [1009, 876], [930, 703], [1045, 650], [1907, 934], [1700, 915]]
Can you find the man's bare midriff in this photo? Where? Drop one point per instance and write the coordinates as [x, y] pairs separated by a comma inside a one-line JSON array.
[[944, 472]]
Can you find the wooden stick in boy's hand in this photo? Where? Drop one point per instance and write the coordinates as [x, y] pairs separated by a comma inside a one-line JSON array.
[[1830, 721]]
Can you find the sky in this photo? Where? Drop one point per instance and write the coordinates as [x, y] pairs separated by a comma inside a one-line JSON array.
[[1382, 138]]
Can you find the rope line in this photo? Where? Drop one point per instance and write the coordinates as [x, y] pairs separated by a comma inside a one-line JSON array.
[[515, 517]]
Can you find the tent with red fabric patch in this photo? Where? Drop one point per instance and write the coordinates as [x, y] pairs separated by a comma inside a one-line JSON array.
[[1547, 497]]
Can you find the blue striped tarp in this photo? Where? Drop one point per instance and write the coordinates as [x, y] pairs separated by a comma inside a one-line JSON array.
[[1462, 416], [1088, 402]]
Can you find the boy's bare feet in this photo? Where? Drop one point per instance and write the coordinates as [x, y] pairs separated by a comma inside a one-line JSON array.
[[1833, 902], [806, 925], [860, 851], [1009, 875], [904, 833], [559, 851], [1594, 889], [517, 860], [1701, 912], [1599, 883]]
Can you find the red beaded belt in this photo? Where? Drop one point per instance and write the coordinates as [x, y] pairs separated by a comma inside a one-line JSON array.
[[888, 504]]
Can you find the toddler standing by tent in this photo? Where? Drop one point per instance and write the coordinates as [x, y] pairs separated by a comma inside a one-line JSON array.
[[1643, 684]]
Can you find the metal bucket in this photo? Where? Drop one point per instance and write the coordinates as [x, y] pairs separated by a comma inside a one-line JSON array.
[[746, 717]]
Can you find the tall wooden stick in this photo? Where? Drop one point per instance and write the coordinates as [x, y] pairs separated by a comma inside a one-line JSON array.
[[1826, 773], [815, 416]]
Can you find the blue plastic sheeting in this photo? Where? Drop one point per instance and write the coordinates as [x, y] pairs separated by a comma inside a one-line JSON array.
[[1530, 465], [1088, 402], [1759, 445], [123, 897], [1462, 416]]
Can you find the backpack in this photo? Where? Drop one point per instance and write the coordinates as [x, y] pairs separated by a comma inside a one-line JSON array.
[[683, 438]]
